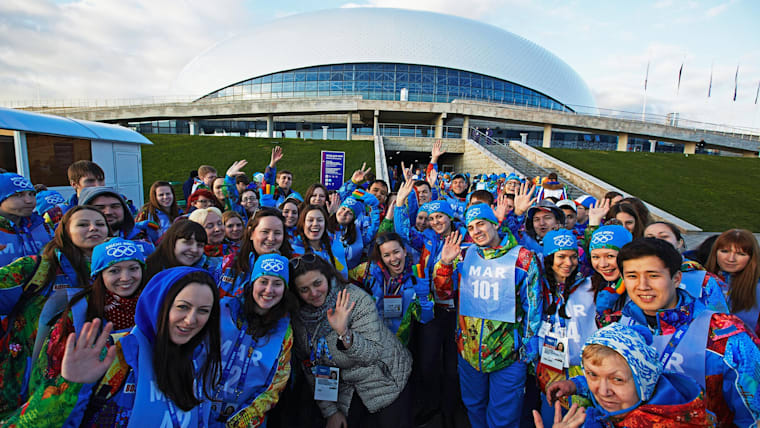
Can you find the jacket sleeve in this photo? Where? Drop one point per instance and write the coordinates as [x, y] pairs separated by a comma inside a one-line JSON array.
[[531, 302], [740, 366], [255, 414], [366, 326], [346, 189], [443, 280], [52, 398], [368, 233], [13, 278], [269, 175], [411, 236]]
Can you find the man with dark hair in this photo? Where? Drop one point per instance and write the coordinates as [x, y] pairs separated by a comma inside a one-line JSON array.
[[480, 197], [83, 174], [716, 349], [119, 217], [278, 183]]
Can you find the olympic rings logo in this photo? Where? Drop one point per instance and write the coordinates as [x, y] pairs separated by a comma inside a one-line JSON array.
[[121, 251], [21, 182], [602, 237], [563, 241], [435, 206], [272, 265], [54, 199]]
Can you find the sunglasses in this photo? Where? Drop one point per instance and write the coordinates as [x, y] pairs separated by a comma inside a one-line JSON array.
[[306, 259]]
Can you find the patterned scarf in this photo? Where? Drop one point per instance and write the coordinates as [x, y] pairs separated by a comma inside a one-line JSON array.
[[120, 310]]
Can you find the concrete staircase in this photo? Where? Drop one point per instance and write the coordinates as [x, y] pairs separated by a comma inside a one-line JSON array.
[[524, 166]]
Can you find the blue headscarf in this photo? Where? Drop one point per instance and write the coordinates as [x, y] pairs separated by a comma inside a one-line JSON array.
[[558, 240], [12, 183], [633, 343], [114, 251], [613, 237]]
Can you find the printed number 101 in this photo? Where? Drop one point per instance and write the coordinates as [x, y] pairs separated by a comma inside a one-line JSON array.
[[482, 289]]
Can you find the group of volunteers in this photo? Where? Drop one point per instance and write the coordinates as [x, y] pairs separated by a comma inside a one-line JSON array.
[[489, 296]]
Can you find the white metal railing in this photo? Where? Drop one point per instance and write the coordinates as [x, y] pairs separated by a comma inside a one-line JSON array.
[[416, 130], [75, 105]]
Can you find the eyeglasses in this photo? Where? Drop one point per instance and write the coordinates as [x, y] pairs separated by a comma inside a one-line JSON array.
[[307, 259], [249, 199]]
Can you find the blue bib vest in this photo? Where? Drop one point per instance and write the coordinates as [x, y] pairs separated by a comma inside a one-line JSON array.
[[582, 323], [689, 356], [487, 287], [248, 365]]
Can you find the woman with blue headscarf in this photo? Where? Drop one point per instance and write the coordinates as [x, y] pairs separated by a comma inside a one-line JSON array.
[[625, 380]]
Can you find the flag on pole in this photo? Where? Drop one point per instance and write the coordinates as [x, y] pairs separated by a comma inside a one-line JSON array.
[[736, 81], [680, 71], [709, 86], [757, 92], [646, 78]]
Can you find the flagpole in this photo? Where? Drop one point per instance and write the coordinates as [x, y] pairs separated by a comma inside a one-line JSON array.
[[644, 110]]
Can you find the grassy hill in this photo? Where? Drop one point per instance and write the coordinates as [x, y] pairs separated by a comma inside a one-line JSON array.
[[713, 192], [171, 157]]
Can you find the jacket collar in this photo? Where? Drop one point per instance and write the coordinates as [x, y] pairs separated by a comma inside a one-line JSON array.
[[667, 320]]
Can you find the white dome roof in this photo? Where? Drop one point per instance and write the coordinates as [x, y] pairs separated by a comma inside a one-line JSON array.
[[357, 35]]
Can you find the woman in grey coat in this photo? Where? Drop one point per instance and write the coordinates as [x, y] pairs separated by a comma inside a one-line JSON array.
[[338, 326]]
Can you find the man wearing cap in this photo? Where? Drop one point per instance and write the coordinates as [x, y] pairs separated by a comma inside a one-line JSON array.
[[540, 219], [22, 232], [500, 312], [716, 349], [583, 204]]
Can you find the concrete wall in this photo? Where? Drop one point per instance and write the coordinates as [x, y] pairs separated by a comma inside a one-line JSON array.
[[592, 185], [421, 144], [477, 160]]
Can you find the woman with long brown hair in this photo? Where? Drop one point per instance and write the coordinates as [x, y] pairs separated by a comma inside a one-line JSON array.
[[27, 283], [734, 257], [161, 208]]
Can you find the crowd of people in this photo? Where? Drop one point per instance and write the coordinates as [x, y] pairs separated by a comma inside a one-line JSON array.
[[493, 300]]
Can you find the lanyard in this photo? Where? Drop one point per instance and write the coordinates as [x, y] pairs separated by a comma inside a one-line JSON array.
[[387, 287], [672, 344], [321, 346], [233, 357]]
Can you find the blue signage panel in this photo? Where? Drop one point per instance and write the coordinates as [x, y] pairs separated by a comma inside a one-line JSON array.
[[333, 167]]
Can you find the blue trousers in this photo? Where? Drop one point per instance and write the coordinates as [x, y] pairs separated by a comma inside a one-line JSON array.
[[493, 399]]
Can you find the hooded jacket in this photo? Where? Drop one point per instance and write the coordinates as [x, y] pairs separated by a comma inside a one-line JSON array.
[[143, 231], [127, 394]]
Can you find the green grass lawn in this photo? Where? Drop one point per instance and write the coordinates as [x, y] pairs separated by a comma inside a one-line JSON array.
[[713, 192], [171, 157]]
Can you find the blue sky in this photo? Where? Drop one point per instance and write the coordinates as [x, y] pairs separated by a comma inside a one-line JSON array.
[[104, 49]]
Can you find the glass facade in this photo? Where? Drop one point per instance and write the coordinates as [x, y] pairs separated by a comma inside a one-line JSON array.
[[381, 81]]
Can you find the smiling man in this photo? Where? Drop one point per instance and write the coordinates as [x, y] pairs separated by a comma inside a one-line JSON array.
[[715, 349], [497, 282]]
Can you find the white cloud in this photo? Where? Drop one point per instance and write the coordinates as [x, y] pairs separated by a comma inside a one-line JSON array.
[[105, 48]]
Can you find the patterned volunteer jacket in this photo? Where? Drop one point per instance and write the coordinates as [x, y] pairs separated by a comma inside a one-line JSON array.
[[717, 350], [487, 344]]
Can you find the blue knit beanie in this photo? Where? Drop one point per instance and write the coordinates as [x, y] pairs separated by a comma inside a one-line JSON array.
[[558, 240], [441, 206], [272, 265], [47, 199], [613, 237], [480, 211], [114, 251], [12, 183]]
